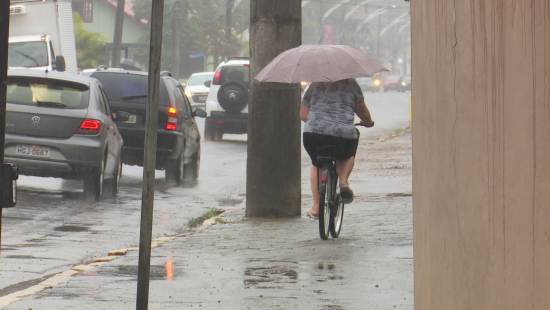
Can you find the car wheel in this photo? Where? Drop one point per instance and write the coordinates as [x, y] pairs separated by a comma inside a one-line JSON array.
[[218, 135], [174, 169], [209, 131], [191, 170], [233, 96], [112, 184], [93, 182]]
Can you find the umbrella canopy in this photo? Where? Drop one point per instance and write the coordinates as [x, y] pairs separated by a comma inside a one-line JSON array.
[[319, 63]]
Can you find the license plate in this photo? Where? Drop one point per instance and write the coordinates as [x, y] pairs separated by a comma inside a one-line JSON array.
[[131, 119], [202, 98], [34, 151]]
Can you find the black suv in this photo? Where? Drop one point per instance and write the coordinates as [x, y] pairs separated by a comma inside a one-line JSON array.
[[178, 138]]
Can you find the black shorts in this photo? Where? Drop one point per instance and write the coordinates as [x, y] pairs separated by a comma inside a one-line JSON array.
[[316, 145]]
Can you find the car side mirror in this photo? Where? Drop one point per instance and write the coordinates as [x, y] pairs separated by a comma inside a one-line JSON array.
[[207, 83], [121, 116], [199, 113], [60, 63]]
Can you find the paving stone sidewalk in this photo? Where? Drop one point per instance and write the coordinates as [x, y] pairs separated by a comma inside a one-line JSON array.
[[240, 263]]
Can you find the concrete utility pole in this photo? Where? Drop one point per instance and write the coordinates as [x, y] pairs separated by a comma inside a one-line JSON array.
[[273, 184], [4, 34], [149, 161], [228, 23], [176, 18], [117, 38]]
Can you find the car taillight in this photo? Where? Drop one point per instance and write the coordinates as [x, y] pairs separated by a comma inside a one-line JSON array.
[[172, 123], [216, 80], [89, 127]]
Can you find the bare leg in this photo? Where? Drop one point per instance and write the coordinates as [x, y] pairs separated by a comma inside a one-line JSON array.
[[314, 182], [343, 169]]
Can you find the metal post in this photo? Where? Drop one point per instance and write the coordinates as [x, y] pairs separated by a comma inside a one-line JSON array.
[[117, 38], [176, 18], [4, 34], [151, 123], [378, 41], [321, 26]]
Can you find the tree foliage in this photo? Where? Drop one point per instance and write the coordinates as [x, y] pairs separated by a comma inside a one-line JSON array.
[[90, 46], [202, 29]]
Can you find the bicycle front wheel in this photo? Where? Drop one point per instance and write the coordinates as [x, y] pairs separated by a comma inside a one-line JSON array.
[[324, 201]]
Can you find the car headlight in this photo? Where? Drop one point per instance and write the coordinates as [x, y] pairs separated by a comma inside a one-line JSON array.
[[404, 84], [377, 82], [188, 93], [303, 83]]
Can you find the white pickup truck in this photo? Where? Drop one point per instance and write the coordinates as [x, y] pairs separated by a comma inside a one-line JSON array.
[[38, 30]]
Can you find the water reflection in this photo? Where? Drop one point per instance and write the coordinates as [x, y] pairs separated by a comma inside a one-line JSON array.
[[169, 268]]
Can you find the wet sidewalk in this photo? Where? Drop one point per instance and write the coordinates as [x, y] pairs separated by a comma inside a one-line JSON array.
[[241, 263]]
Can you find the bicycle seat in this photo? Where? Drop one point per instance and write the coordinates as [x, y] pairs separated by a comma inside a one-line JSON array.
[[325, 158]]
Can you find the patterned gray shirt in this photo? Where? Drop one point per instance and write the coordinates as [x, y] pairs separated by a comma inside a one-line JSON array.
[[332, 108]]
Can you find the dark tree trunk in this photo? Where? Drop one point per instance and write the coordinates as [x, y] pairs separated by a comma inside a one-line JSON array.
[[273, 186]]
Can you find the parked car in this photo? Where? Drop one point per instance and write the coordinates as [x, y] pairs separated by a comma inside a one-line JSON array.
[[227, 102], [391, 82], [61, 125], [365, 83], [178, 138], [195, 89], [404, 84]]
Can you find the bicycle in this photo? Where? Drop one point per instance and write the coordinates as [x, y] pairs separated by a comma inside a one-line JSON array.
[[331, 205]]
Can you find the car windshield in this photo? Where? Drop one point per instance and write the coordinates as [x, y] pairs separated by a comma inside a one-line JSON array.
[[195, 80], [50, 93], [124, 87], [392, 78], [235, 73], [27, 54]]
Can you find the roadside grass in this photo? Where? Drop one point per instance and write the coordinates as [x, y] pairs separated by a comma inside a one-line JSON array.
[[197, 221], [396, 133], [221, 221]]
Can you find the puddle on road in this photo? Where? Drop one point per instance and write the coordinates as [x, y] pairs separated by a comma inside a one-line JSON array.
[[21, 256], [166, 272], [71, 228], [266, 277], [278, 276], [229, 202]]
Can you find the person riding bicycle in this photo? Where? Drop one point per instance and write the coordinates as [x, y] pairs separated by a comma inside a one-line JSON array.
[[328, 110]]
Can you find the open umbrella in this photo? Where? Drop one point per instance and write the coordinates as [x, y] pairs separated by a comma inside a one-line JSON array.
[[319, 63]]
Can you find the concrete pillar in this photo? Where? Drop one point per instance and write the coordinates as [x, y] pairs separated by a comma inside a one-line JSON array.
[[481, 154], [273, 176]]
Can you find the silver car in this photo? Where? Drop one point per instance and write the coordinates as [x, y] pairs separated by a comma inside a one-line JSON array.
[[60, 125]]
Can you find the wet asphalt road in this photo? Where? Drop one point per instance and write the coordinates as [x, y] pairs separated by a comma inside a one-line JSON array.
[[53, 228]]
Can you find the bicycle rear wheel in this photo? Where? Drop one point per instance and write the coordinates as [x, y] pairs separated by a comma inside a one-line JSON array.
[[336, 218], [324, 201]]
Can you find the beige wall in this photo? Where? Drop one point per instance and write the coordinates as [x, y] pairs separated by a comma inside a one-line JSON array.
[[481, 153]]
